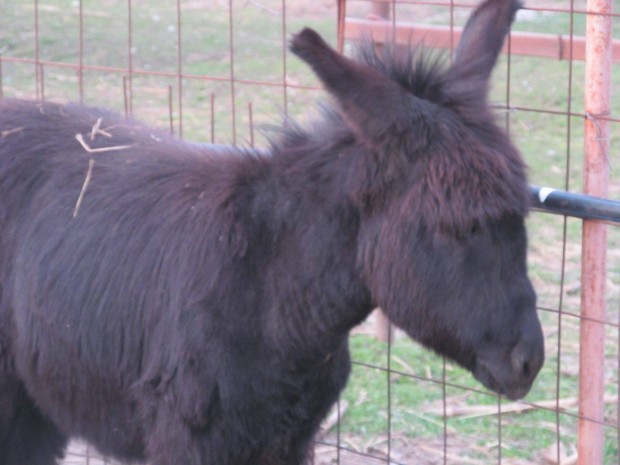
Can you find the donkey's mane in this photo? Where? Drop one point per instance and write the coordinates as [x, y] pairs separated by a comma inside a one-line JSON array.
[[469, 167], [420, 70]]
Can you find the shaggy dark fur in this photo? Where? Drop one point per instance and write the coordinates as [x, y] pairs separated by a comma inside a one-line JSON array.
[[193, 308]]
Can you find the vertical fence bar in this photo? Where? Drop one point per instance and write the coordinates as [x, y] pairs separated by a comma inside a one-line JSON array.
[[125, 96], [129, 82], [451, 31], [340, 18], [231, 53], [180, 67], [171, 112], [80, 71], [251, 123], [36, 48], [41, 78], [212, 115], [594, 240], [560, 333], [383, 327], [284, 62]]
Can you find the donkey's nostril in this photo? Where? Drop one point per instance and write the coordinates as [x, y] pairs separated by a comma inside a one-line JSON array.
[[517, 360], [526, 369], [521, 362], [525, 360]]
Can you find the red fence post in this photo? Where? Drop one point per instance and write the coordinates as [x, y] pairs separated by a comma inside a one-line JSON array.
[[381, 9], [594, 240]]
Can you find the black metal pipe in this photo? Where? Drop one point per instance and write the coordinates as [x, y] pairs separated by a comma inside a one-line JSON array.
[[583, 206]]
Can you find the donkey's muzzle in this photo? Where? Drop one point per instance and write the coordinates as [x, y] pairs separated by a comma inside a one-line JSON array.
[[526, 360], [514, 373]]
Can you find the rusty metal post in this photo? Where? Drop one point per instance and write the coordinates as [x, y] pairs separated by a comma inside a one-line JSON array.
[[594, 240], [380, 9], [341, 17]]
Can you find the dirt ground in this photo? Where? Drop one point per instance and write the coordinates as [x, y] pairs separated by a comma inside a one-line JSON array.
[[356, 451]]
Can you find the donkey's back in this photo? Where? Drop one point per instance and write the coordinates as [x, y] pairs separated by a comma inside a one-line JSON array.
[[105, 229]]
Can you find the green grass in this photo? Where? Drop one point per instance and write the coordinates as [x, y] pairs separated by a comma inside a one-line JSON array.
[[205, 46], [543, 138], [416, 404]]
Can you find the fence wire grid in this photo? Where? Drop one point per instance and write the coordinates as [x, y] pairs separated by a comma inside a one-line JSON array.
[[219, 70]]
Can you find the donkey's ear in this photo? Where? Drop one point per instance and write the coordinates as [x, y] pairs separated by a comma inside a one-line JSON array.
[[374, 106], [482, 41]]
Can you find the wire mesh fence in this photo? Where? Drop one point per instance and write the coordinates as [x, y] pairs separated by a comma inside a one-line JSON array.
[[219, 70]]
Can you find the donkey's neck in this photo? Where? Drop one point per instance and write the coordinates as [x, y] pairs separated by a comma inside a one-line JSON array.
[[313, 284]]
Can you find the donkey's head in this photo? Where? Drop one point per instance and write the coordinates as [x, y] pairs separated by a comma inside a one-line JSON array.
[[442, 195]]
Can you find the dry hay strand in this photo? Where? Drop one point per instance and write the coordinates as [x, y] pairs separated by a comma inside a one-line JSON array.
[[114, 148], [7, 132], [476, 411], [95, 130], [89, 174]]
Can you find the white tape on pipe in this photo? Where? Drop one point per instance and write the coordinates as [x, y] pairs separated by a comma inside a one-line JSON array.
[[543, 193]]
